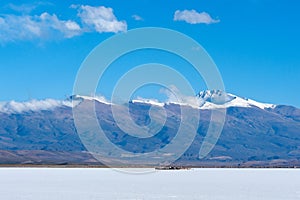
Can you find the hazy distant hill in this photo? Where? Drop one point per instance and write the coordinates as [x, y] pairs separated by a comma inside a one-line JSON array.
[[254, 134]]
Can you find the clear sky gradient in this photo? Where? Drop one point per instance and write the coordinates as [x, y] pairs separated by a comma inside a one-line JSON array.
[[255, 43]]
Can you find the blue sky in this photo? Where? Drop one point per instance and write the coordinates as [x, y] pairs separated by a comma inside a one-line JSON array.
[[255, 43]]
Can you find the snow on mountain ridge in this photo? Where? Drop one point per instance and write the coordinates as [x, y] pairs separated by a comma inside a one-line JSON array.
[[215, 99], [100, 99], [148, 101], [209, 99], [238, 102]]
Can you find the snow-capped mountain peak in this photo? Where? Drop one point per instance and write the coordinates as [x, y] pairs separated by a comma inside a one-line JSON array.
[[215, 99], [215, 96]]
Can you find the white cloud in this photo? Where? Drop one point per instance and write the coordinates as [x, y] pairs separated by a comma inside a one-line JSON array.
[[69, 28], [33, 105], [71, 25], [137, 17], [47, 104], [100, 19], [48, 26], [176, 97], [193, 17], [44, 26]]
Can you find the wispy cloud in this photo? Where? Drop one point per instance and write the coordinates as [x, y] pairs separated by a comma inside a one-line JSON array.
[[175, 96], [137, 17], [26, 8], [193, 17], [27, 27], [100, 19]]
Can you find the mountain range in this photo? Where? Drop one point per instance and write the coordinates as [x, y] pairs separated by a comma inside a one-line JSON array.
[[254, 134]]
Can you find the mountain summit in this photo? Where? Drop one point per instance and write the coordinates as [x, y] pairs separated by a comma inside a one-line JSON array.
[[219, 99]]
